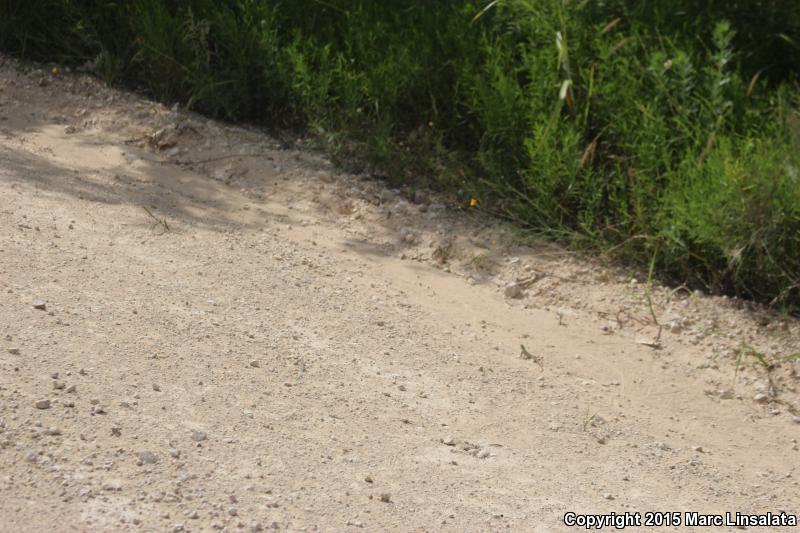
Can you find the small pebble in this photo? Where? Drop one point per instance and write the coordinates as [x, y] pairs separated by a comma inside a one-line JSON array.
[[43, 404], [386, 497], [513, 291], [199, 436], [112, 484], [255, 364], [449, 441], [148, 458], [156, 387], [40, 304]]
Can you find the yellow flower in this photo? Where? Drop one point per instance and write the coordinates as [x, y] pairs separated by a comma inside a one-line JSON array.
[[54, 70], [473, 202]]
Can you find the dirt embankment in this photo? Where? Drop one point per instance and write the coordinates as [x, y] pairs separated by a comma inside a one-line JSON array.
[[200, 330]]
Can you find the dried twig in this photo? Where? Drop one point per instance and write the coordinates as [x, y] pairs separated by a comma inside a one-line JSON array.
[[157, 222]]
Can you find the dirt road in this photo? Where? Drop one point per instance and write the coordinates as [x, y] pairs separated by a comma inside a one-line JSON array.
[[201, 330]]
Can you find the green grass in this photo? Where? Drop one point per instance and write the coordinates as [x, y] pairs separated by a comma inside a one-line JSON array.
[[667, 132]]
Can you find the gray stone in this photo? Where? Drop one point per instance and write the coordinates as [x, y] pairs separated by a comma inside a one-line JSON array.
[[513, 291], [43, 404], [148, 458]]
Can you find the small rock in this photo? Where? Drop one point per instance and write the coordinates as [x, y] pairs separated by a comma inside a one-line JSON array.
[[698, 449], [98, 410], [112, 484], [58, 385], [43, 404], [31, 457], [52, 431], [386, 497], [796, 419], [148, 458], [513, 291], [483, 453], [255, 364], [174, 453], [72, 388], [761, 398], [199, 436], [368, 479], [13, 351], [609, 496], [233, 511], [156, 387], [727, 394], [449, 441], [40, 304]]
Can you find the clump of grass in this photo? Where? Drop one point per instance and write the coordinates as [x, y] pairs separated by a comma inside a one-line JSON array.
[[667, 133]]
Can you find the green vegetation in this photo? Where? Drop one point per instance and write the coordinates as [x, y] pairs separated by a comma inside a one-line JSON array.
[[667, 132]]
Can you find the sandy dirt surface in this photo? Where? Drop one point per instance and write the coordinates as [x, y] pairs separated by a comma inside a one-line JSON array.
[[202, 329]]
